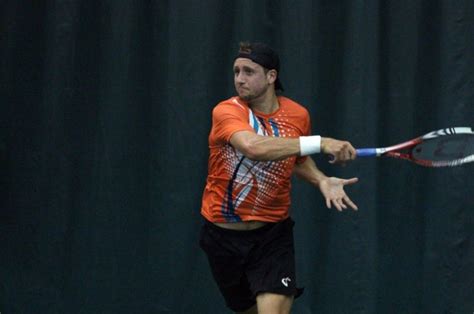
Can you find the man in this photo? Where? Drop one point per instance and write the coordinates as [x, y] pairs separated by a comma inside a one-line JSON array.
[[257, 141]]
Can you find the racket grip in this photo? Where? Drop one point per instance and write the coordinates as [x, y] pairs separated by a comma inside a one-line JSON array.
[[366, 152]]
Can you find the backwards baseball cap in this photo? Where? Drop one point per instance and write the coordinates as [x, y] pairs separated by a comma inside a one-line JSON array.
[[264, 55]]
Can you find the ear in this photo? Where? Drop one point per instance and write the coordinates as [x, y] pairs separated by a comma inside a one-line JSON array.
[[272, 76]]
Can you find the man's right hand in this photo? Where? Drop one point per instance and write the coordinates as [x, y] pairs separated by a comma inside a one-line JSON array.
[[342, 151]]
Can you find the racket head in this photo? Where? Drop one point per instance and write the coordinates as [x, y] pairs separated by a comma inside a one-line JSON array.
[[444, 148]]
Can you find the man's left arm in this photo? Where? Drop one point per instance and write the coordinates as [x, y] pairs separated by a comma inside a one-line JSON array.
[[332, 188]]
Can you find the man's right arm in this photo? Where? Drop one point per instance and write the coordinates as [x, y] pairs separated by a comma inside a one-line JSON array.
[[257, 147]]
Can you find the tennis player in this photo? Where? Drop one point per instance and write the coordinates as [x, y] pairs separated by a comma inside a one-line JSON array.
[[257, 142]]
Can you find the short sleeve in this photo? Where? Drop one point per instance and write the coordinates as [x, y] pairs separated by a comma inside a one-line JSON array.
[[228, 118]]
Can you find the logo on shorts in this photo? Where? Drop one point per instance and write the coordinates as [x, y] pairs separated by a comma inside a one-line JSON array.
[[285, 281]]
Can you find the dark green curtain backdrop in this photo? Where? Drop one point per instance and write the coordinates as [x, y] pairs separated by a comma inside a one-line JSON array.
[[105, 110]]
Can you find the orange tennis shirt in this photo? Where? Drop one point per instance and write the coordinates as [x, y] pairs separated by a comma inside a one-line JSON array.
[[240, 189]]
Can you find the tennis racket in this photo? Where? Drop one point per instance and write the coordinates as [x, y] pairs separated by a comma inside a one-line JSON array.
[[442, 148]]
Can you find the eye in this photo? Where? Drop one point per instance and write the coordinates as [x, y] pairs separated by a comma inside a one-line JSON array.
[[248, 71]]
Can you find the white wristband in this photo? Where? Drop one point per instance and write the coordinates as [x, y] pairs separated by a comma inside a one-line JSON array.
[[310, 145]]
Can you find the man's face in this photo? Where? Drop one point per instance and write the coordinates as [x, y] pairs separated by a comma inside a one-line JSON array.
[[250, 79]]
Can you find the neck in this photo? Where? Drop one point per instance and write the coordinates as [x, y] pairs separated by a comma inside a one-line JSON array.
[[267, 103]]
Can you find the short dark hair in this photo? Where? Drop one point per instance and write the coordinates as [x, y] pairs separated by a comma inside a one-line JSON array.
[[245, 47]]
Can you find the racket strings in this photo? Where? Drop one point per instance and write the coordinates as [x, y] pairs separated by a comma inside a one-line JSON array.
[[453, 163]]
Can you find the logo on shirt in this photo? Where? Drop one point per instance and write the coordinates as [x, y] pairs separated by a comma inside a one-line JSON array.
[[285, 281]]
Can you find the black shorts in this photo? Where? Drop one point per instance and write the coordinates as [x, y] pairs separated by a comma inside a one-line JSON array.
[[246, 263]]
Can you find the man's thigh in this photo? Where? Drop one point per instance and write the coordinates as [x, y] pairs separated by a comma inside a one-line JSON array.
[[226, 256], [271, 303]]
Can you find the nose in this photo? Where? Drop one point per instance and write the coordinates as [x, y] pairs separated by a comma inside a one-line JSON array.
[[239, 77]]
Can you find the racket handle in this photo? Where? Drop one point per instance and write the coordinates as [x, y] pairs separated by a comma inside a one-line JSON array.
[[366, 152]]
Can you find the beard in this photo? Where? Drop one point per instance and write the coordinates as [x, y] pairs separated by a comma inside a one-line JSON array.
[[250, 96]]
